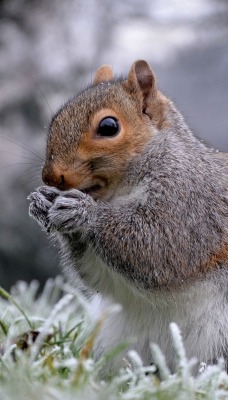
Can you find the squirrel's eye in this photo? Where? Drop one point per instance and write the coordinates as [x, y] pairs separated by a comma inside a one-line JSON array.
[[108, 127]]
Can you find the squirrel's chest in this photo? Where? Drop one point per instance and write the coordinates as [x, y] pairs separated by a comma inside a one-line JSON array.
[[144, 322], [145, 317]]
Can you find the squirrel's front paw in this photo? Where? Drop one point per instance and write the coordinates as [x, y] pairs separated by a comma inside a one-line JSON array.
[[70, 211], [41, 201]]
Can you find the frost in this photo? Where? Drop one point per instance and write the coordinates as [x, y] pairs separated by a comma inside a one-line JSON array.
[[59, 363]]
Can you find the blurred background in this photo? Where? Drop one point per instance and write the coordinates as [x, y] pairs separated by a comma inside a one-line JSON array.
[[49, 50]]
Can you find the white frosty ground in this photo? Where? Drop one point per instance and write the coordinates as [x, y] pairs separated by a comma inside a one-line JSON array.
[[59, 363]]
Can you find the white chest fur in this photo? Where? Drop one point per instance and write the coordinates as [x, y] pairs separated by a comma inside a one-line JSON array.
[[200, 311]]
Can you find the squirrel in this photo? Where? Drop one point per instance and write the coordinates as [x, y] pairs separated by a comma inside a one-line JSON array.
[[139, 208]]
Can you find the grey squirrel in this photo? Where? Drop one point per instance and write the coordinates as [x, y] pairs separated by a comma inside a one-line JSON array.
[[139, 208]]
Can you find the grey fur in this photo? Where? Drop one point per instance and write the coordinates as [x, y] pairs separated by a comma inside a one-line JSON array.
[[149, 247]]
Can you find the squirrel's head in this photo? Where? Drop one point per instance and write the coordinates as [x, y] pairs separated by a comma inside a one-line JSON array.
[[95, 136]]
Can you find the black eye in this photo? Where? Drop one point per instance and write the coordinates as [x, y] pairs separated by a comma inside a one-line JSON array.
[[108, 127]]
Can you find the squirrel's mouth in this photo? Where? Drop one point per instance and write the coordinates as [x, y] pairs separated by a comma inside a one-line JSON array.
[[91, 189], [97, 190]]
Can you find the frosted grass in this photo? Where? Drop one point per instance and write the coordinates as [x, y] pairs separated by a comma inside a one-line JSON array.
[[46, 353]]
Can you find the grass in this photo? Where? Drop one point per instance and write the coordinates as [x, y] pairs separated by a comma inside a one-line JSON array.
[[46, 343]]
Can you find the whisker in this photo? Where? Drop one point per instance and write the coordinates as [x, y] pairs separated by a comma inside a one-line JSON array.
[[31, 179], [45, 98], [18, 155], [15, 164], [25, 147], [32, 169]]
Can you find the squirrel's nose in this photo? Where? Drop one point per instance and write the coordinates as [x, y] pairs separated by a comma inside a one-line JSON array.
[[54, 178]]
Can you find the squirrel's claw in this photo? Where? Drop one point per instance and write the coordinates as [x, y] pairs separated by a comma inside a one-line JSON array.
[[70, 212], [39, 207], [50, 193], [39, 215]]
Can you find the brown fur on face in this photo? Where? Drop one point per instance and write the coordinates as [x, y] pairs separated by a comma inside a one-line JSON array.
[[78, 158], [99, 161]]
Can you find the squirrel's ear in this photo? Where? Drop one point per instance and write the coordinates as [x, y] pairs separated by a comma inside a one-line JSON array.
[[141, 78], [103, 74]]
